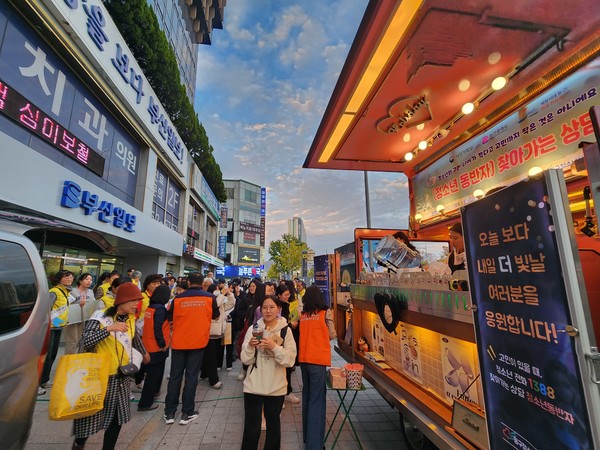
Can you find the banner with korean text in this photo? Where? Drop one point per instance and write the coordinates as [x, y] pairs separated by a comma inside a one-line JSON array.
[[531, 376], [544, 133]]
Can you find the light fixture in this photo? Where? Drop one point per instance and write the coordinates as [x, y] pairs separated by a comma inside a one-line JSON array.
[[418, 218], [440, 209], [478, 193], [498, 83], [468, 108], [409, 156], [535, 170], [423, 145], [397, 28]]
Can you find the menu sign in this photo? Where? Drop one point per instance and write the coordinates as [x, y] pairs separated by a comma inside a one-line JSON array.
[[531, 378]]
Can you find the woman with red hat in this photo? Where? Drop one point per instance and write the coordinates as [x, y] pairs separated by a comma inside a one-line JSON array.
[[112, 331]]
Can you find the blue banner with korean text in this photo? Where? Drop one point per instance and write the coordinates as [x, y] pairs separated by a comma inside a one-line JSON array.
[[531, 377]]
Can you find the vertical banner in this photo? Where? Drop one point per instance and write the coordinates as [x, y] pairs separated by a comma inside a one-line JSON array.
[[223, 222], [322, 276], [263, 214], [531, 378]]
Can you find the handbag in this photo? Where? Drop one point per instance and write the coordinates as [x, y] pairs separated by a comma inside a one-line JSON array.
[[79, 386], [126, 370]]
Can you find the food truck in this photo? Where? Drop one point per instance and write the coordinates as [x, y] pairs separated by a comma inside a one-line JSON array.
[[491, 110]]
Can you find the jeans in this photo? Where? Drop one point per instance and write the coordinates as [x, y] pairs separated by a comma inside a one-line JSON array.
[[53, 344], [254, 405], [188, 362], [314, 401]]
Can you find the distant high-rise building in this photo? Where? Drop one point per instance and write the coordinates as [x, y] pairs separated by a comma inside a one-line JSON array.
[[296, 228], [187, 24], [245, 246]]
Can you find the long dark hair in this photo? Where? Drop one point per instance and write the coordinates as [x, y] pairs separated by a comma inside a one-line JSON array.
[[257, 299], [404, 238], [313, 300], [292, 288], [101, 280]]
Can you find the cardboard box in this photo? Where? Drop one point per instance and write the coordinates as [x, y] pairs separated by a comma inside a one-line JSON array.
[[337, 378]]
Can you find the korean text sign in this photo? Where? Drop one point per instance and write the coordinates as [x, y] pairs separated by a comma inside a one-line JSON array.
[[531, 377]]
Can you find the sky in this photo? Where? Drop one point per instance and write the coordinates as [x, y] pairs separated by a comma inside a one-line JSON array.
[[262, 88]]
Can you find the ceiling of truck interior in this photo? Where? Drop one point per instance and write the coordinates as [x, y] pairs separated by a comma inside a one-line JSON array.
[[414, 65]]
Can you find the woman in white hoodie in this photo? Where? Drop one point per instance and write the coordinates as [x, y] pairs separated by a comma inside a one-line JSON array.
[[265, 384]]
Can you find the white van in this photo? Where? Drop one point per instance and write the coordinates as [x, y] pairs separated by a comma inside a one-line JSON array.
[[24, 331]]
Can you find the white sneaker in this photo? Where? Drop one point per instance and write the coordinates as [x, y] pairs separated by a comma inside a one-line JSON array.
[[41, 391], [292, 398], [263, 424], [217, 385], [242, 375]]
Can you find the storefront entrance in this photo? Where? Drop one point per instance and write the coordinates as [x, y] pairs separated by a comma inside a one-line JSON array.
[[79, 261]]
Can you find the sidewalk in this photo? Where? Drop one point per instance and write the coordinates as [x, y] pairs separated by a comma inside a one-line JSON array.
[[221, 422]]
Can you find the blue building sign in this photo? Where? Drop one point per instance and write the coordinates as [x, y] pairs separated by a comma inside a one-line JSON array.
[[75, 197]]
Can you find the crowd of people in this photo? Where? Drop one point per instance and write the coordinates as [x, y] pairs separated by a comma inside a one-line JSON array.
[[200, 323]]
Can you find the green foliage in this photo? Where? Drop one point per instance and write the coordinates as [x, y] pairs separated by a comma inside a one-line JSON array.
[[286, 254], [273, 273], [139, 26]]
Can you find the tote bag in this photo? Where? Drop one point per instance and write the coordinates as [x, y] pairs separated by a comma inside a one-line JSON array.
[[79, 386]]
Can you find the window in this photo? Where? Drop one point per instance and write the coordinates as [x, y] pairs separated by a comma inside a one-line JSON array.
[[230, 192], [18, 290], [250, 196], [165, 204]]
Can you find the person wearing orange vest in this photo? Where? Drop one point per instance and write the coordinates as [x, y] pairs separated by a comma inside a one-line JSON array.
[[314, 357], [190, 313], [156, 339]]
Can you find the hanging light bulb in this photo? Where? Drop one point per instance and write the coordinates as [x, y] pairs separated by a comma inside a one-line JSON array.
[[409, 156], [468, 108], [498, 83], [422, 145]]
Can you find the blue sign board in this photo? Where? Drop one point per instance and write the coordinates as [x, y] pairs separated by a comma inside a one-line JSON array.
[[238, 271], [530, 374], [321, 269], [222, 251], [75, 197]]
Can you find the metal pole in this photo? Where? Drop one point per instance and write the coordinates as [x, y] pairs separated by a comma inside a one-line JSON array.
[[368, 206]]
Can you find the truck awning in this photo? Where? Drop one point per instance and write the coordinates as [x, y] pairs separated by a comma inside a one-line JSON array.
[[416, 64]]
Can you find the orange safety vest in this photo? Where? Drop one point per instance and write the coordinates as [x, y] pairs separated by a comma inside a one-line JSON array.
[[148, 337], [191, 321], [314, 345]]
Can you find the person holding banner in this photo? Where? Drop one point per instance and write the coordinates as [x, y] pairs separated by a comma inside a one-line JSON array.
[[112, 331]]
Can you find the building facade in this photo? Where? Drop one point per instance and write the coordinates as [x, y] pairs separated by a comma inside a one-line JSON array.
[[245, 232], [91, 161], [187, 24], [296, 228]]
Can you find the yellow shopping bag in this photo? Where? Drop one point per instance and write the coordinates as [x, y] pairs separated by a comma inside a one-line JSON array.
[[79, 386]]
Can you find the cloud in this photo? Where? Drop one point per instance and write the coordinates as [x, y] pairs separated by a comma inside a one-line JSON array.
[[263, 86]]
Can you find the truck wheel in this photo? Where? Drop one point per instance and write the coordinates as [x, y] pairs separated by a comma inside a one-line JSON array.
[[414, 438]]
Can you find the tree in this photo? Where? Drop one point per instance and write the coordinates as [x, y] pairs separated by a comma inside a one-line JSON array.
[[286, 254], [273, 273]]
